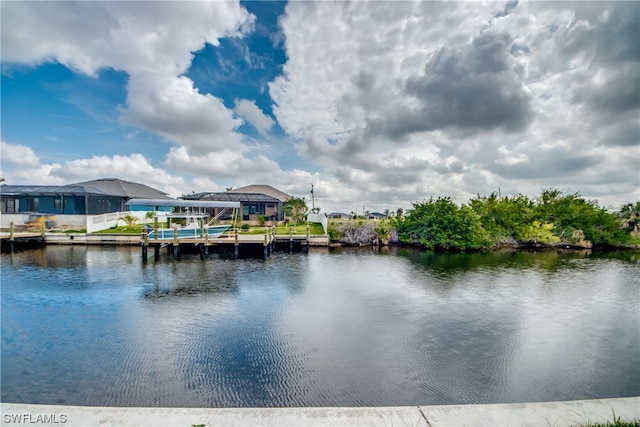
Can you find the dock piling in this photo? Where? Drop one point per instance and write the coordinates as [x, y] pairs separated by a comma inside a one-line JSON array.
[[145, 244], [155, 228], [236, 245], [11, 236], [176, 244], [266, 243], [291, 239]]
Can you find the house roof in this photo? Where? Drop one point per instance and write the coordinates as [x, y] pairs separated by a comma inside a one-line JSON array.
[[233, 197], [100, 187], [125, 188], [249, 193], [53, 190], [262, 189]]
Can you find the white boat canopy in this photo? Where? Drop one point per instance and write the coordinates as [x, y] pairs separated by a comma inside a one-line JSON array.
[[182, 203]]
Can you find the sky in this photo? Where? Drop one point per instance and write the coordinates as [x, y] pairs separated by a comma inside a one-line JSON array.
[[377, 104]]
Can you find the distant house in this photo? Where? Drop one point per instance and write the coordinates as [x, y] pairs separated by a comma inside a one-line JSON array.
[[255, 201], [376, 215], [83, 198], [339, 215]]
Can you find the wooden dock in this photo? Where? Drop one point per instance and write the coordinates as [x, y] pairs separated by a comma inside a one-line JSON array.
[[233, 241], [14, 239], [237, 243]]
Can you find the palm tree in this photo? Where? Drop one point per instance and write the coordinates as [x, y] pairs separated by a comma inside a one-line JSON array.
[[130, 220]]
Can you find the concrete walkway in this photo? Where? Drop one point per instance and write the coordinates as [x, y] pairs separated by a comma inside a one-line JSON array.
[[547, 414]]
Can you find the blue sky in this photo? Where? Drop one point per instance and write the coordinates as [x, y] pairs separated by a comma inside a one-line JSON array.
[[375, 103]]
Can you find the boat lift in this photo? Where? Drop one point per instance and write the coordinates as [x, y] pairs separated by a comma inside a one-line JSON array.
[[194, 210]]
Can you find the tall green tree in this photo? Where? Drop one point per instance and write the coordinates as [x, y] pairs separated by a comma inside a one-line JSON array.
[[295, 208]]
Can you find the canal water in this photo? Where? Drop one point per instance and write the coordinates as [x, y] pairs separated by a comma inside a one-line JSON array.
[[85, 325]]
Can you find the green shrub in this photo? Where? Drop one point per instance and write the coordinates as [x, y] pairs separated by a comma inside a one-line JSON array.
[[540, 233], [442, 225]]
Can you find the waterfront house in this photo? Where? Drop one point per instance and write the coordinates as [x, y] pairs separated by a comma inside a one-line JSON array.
[[83, 198], [72, 203], [255, 201]]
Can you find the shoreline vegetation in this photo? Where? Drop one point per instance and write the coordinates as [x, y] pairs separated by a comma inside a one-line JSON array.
[[553, 220]]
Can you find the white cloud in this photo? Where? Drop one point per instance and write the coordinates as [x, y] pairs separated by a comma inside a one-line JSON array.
[[222, 164], [134, 167], [137, 37], [152, 42], [18, 155], [254, 115], [386, 102], [523, 97], [20, 165], [172, 107]]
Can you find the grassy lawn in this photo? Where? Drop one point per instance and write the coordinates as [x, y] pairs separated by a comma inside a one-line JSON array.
[[300, 229], [122, 229]]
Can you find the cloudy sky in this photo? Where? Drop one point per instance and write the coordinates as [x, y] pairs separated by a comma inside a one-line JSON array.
[[379, 103]]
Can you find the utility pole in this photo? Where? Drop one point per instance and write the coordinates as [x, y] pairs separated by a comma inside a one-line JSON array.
[[313, 200]]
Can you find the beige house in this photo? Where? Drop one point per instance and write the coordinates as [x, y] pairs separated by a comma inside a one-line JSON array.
[[255, 201]]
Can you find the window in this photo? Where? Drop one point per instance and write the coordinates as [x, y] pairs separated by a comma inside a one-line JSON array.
[[252, 209], [57, 203], [34, 204], [11, 205]]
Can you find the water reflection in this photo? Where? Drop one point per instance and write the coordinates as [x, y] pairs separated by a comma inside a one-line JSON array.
[[347, 327]]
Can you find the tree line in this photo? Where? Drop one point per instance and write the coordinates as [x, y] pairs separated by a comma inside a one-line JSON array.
[[490, 221]]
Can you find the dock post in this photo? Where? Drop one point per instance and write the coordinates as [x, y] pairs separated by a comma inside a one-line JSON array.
[[236, 245], [266, 245], [11, 238], [145, 242], [308, 237], [176, 244], [206, 241], [290, 239], [155, 228], [156, 252], [201, 250], [42, 230], [273, 239]]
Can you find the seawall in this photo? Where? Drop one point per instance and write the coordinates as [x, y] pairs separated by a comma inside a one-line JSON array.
[[543, 414]]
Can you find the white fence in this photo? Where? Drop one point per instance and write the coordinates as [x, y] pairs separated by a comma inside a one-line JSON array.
[[319, 218], [108, 220]]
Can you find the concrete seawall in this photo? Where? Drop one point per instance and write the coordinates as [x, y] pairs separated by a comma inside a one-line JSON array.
[[134, 239], [569, 413]]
